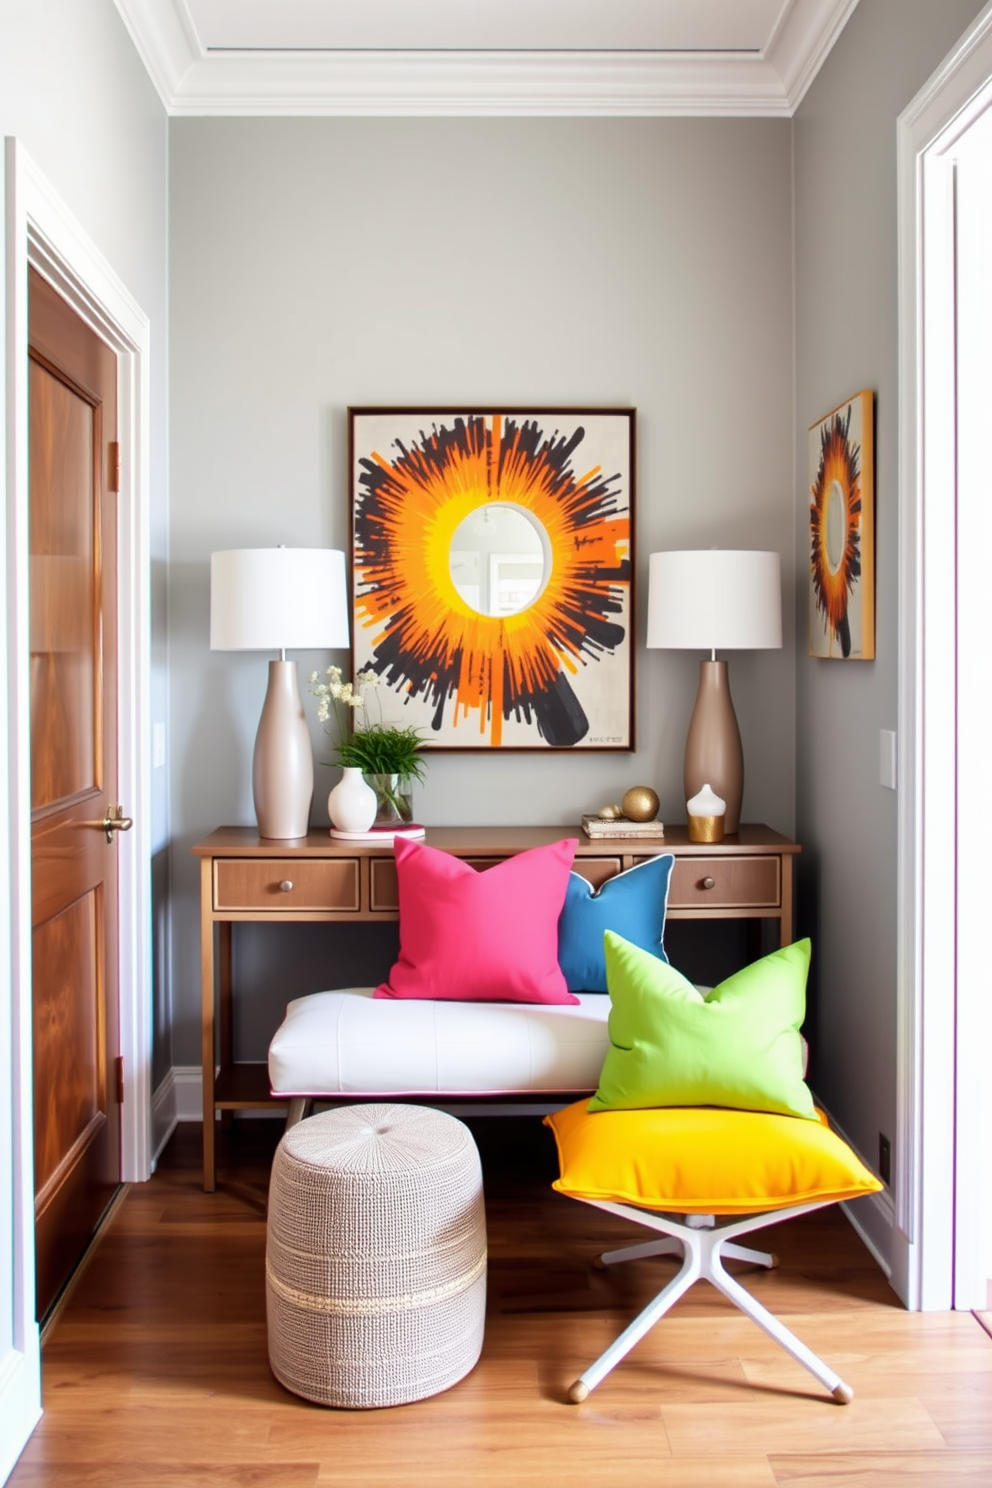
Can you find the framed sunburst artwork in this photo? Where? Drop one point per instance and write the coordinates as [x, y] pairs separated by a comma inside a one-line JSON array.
[[842, 532], [492, 562]]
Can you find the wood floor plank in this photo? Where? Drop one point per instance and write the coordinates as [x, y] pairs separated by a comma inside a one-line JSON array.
[[156, 1374], [799, 1421], [508, 1471], [180, 1474], [880, 1470]]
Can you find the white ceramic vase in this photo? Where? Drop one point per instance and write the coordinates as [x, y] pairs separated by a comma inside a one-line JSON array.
[[351, 805]]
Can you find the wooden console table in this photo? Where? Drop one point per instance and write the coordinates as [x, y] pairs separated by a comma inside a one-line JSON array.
[[244, 877]]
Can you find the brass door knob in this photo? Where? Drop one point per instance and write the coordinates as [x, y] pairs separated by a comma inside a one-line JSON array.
[[116, 821], [709, 883]]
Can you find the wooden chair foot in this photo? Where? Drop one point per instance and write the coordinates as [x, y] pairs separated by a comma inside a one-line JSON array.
[[578, 1392], [842, 1393]]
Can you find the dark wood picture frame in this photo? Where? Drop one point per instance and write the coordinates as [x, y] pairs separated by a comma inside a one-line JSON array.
[[523, 651]]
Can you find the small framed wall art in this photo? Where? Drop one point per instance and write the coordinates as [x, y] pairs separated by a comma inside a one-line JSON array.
[[842, 531], [492, 570]]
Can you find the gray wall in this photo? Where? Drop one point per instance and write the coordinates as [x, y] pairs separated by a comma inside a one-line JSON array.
[[73, 90], [320, 263], [846, 339]]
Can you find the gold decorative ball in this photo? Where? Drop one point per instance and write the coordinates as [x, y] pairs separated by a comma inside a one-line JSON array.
[[640, 804]]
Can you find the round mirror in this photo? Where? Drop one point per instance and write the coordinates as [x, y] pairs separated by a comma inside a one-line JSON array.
[[836, 526], [500, 559]]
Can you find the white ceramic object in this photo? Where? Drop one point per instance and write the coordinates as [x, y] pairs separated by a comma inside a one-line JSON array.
[[352, 803], [706, 803]]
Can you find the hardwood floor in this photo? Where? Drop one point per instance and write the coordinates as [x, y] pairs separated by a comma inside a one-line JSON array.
[[156, 1374]]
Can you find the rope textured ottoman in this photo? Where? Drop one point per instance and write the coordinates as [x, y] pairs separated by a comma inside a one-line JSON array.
[[376, 1256]]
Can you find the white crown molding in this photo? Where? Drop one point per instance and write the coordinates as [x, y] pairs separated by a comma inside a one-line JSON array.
[[194, 82], [166, 41], [803, 40]]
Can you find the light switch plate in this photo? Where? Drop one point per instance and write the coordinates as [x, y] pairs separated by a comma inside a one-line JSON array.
[[887, 758]]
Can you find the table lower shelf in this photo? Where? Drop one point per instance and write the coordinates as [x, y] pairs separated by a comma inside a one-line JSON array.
[[245, 1087]]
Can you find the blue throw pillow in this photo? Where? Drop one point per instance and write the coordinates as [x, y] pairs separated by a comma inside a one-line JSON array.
[[631, 904]]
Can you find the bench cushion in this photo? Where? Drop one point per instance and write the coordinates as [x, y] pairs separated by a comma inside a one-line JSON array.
[[351, 1043]]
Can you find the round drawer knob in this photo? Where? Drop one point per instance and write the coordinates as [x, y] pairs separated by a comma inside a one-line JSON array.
[[287, 886], [709, 883]]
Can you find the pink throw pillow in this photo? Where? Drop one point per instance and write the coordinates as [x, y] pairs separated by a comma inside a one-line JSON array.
[[490, 936]]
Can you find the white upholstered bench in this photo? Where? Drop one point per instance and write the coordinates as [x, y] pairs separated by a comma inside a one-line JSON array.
[[348, 1045]]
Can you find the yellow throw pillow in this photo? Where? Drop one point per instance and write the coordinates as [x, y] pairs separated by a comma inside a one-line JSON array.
[[703, 1160]]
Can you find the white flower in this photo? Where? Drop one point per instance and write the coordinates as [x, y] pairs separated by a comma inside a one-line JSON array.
[[368, 678]]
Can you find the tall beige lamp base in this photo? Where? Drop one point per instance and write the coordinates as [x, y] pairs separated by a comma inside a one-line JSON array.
[[713, 751], [282, 769]]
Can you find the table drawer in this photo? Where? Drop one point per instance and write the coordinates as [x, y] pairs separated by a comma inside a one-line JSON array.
[[385, 892], [726, 883], [285, 884]]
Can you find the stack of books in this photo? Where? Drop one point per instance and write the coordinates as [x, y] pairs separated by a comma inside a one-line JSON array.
[[597, 826], [385, 836]]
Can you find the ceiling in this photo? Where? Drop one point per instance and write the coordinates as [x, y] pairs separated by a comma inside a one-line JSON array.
[[484, 57]]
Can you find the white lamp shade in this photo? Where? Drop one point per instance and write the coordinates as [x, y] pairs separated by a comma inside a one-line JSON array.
[[278, 599], [715, 599]]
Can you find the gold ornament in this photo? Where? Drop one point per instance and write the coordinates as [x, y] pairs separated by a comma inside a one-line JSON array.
[[640, 804], [609, 813]]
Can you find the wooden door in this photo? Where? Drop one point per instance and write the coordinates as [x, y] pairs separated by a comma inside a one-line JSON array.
[[73, 639]]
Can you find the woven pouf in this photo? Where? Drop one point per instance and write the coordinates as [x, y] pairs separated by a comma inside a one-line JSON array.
[[376, 1256]]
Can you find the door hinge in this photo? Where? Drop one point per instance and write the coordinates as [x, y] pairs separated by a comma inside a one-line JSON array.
[[119, 1078], [113, 466]]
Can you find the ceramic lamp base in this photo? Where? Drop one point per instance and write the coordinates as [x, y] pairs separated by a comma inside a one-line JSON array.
[[713, 750], [282, 768]]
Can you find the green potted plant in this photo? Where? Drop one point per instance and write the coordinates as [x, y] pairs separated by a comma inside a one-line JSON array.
[[388, 756]]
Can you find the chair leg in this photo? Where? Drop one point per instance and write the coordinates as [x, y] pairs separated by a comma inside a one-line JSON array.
[[766, 1258], [640, 1252], [636, 1330], [298, 1108], [829, 1378], [703, 1249]]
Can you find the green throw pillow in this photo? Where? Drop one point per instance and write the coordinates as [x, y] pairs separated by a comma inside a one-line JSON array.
[[738, 1046]]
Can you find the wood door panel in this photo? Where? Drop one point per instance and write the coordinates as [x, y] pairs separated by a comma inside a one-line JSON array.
[[68, 857], [72, 388], [70, 1068], [65, 666]]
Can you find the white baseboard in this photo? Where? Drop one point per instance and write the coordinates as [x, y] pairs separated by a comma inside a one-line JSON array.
[[20, 1402], [178, 1098], [874, 1216]]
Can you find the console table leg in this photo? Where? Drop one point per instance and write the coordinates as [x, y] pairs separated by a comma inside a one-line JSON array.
[[208, 1055]]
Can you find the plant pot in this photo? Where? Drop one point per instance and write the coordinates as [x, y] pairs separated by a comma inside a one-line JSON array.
[[352, 804], [394, 799]]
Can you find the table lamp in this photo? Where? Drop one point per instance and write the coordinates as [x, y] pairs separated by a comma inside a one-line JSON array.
[[718, 599], [274, 599]]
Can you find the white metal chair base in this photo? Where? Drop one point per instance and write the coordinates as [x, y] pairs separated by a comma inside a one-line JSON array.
[[703, 1248]]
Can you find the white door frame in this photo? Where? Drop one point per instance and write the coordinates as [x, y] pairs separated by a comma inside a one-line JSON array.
[[41, 232], [931, 1189]]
